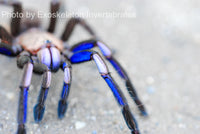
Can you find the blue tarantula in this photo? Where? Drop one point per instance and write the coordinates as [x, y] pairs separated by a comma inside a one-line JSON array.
[[39, 51]]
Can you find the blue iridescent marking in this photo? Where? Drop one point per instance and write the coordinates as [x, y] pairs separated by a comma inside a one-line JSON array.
[[25, 104], [62, 104], [22, 114], [46, 92], [40, 108], [43, 95], [117, 68], [5, 51], [81, 57], [65, 90], [83, 46], [114, 89], [38, 112], [64, 65]]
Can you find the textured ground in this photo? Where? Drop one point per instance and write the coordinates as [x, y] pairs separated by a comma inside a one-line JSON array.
[[159, 48]]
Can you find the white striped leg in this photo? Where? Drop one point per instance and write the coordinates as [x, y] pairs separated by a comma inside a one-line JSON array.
[[119, 96], [23, 97], [131, 89], [83, 56], [89, 44]]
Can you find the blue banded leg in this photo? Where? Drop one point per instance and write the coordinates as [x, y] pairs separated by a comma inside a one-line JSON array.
[[129, 118], [40, 106], [84, 56], [23, 97], [6, 46], [63, 104], [129, 85], [89, 44]]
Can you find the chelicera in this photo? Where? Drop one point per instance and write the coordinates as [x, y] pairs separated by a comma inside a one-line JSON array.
[[39, 51]]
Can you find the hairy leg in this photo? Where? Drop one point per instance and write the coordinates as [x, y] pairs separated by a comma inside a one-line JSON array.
[[55, 5], [63, 104], [6, 44], [84, 56], [16, 21], [89, 44], [25, 62], [40, 106], [71, 25]]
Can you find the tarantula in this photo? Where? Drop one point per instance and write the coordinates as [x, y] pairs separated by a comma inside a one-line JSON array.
[[39, 51]]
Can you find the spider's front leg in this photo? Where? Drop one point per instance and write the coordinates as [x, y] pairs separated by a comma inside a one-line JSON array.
[[40, 106], [89, 44], [6, 44], [63, 104], [83, 56], [24, 61]]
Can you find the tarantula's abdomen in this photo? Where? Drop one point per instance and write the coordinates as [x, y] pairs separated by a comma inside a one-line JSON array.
[[50, 56], [33, 39]]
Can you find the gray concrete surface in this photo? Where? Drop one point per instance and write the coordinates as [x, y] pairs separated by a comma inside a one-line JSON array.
[[159, 48]]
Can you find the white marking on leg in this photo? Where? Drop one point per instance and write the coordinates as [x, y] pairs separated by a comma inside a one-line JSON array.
[[46, 79], [26, 78], [104, 49], [67, 75], [103, 69]]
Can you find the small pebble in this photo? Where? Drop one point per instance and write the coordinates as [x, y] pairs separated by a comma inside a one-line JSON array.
[[79, 125], [182, 125], [93, 118], [110, 112], [150, 90], [121, 127], [46, 126], [10, 96], [150, 80]]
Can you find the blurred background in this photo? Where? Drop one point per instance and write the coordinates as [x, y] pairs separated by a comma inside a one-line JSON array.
[[158, 45]]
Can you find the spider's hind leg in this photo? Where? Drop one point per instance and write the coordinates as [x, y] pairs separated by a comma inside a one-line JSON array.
[[71, 25], [30, 22], [55, 5], [63, 104], [83, 56], [16, 21]]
